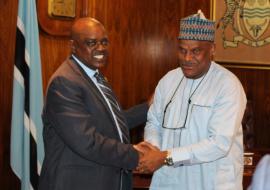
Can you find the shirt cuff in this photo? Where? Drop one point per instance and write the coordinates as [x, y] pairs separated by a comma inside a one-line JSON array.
[[181, 156]]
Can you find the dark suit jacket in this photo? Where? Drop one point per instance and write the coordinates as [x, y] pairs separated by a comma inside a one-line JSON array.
[[82, 145]]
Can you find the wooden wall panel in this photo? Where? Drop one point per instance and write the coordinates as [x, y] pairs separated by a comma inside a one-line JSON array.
[[54, 50], [143, 48], [256, 84]]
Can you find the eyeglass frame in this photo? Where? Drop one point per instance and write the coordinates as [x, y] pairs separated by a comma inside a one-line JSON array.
[[91, 43], [170, 101], [189, 102]]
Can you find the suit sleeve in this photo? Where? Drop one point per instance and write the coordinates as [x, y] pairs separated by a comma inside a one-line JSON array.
[[136, 115], [77, 128]]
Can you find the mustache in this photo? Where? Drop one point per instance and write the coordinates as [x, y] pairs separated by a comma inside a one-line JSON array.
[[189, 63]]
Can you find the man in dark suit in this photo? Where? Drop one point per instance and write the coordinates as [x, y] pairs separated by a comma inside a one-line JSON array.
[[86, 139]]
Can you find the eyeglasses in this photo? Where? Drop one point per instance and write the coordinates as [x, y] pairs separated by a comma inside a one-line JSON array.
[[189, 102], [179, 126], [94, 42]]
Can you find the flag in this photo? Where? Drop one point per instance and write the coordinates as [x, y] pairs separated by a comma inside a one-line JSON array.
[[27, 151]]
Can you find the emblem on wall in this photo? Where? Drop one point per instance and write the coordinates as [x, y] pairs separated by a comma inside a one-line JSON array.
[[248, 22]]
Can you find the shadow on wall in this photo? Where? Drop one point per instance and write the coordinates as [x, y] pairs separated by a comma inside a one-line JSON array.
[[248, 126]]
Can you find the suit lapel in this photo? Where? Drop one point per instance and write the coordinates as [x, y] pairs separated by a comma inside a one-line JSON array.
[[92, 86]]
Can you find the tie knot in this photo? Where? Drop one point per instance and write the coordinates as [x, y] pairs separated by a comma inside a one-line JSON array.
[[99, 77]]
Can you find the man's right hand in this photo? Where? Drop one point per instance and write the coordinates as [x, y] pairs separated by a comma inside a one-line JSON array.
[[150, 157]]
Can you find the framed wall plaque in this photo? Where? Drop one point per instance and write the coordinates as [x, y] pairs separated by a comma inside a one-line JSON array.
[[56, 16], [62, 8], [243, 31]]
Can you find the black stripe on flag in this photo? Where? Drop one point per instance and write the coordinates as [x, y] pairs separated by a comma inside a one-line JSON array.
[[23, 68]]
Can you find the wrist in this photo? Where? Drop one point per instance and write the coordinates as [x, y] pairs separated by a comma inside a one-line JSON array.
[[168, 161]]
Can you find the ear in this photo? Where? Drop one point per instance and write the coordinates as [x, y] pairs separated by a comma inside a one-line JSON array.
[[73, 46], [213, 49]]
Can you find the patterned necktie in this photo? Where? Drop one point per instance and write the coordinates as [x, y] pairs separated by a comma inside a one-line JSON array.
[[106, 89]]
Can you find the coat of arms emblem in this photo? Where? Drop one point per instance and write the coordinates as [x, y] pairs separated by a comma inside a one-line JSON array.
[[248, 22]]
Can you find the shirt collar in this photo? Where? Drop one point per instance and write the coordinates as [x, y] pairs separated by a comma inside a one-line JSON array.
[[89, 72]]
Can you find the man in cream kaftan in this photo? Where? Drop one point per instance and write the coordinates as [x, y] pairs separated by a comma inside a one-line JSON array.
[[195, 118], [207, 152]]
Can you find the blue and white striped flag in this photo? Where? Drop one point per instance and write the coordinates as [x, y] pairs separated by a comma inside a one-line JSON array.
[[27, 149]]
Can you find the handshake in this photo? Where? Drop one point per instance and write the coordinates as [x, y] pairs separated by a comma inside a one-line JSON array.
[[150, 157]]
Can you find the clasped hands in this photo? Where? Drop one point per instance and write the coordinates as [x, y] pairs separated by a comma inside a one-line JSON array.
[[150, 157]]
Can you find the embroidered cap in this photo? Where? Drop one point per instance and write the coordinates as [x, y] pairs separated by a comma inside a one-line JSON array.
[[197, 27]]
